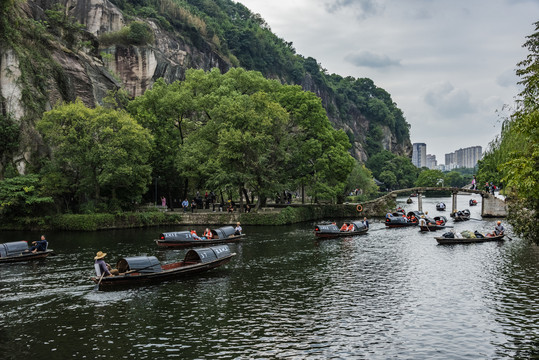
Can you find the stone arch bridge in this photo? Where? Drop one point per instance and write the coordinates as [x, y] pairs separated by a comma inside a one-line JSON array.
[[491, 206]]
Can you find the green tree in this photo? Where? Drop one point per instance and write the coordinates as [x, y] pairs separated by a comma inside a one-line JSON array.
[[455, 179], [430, 178], [22, 196], [256, 133], [361, 178], [403, 169], [9, 141], [515, 153], [102, 152], [388, 178]]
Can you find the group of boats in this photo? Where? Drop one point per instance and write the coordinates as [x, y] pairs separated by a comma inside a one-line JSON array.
[[148, 269]]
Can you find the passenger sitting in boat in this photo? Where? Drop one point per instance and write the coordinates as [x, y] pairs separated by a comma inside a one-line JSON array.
[[238, 229], [101, 267], [40, 245], [350, 227], [207, 233], [344, 227], [412, 218], [439, 222], [195, 236]]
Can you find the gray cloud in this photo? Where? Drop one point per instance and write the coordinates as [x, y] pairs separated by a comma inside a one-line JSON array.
[[371, 60], [448, 101], [507, 78], [365, 8]]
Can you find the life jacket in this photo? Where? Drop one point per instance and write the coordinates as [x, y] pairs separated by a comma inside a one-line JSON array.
[[350, 227], [208, 234], [344, 227], [439, 222]]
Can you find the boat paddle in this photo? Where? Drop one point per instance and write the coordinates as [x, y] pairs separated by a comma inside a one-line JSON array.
[[99, 282], [475, 219]]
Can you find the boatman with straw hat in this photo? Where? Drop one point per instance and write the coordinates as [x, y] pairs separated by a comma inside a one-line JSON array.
[[101, 267]]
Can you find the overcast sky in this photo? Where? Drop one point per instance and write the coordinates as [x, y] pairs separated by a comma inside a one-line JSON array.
[[448, 64]]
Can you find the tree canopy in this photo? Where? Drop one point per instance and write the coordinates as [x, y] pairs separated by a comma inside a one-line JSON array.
[[513, 158], [98, 155], [240, 130]]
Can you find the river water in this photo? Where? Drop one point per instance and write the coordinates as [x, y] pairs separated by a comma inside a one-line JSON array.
[[393, 293]]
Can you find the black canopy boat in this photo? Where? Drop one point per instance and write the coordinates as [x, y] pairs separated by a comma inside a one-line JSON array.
[[147, 269], [440, 206], [409, 201], [330, 231], [451, 241], [221, 235], [433, 224], [473, 202], [399, 219], [461, 215], [18, 251]]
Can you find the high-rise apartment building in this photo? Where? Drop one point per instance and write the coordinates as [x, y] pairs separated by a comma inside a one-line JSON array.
[[467, 157], [419, 154], [431, 161]]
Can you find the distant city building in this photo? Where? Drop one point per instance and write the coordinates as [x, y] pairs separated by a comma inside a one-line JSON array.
[[467, 157], [431, 161], [419, 154]]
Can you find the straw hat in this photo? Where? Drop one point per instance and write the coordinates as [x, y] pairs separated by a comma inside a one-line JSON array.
[[238, 223], [100, 255], [499, 222]]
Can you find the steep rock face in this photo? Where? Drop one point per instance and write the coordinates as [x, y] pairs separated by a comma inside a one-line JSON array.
[[357, 125], [10, 90]]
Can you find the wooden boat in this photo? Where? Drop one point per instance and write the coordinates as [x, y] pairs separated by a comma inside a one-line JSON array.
[[450, 241], [440, 206], [399, 219], [463, 215], [331, 231], [221, 235], [473, 202], [434, 224], [140, 270], [17, 251]]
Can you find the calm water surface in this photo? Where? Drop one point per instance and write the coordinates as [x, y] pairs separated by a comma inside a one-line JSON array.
[[393, 293]]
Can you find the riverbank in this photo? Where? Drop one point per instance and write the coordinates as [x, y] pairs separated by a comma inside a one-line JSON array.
[[276, 215]]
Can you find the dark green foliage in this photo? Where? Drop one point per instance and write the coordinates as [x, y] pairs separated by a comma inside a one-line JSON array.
[[397, 171], [137, 33], [9, 139], [21, 196], [62, 25], [93, 222]]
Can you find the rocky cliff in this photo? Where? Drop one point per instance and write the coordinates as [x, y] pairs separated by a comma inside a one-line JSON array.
[[73, 63]]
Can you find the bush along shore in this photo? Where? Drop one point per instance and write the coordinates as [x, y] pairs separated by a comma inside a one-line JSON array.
[[284, 216]]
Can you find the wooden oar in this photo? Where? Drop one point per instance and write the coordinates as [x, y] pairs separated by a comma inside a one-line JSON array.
[[475, 219], [99, 282]]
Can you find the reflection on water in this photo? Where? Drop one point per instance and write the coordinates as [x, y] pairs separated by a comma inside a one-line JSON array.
[[393, 293]]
